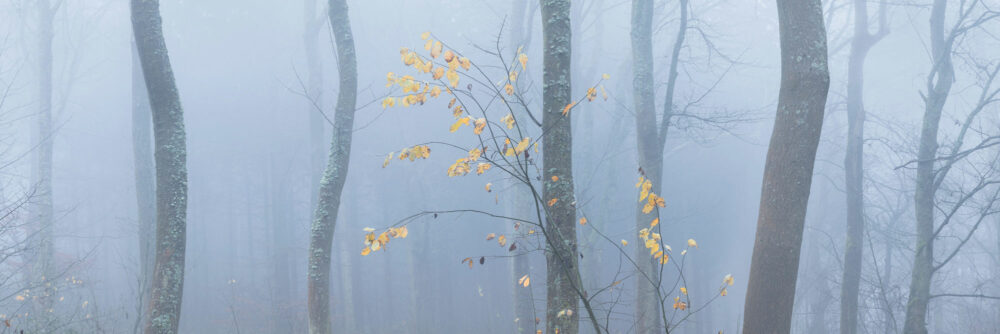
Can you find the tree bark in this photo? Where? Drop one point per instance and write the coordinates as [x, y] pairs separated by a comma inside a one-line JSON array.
[[145, 185], [563, 277], [854, 164], [647, 306], [939, 81], [805, 81], [171, 168], [332, 183], [314, 93]]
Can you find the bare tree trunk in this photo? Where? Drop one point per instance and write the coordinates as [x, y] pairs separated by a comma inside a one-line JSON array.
[[937, 94], [805, 81], [563, 276], [854, 164], [41, 267], [145, 186], [332, 183], [171, 168], [647, 306]]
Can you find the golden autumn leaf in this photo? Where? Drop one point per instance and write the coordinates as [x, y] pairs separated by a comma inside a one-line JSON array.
[[468, 259], [509, 89], [459, 123], [523, 59], [591, 93], [684, 290], [436, 51], [522, 145], [449, 56], [553, 201], [438, 73], [605, 76], [366, 251], [489, 187], [512, 76], [482, 167], [502, 240], [692, 243], [728, 279], [723, 292], [436, 91], [567, 108], [425, 35], [656, 221], [480, 125], [555, 178], [403, 232], [624, 243], [452, 78], [466, 64], [387, 159], [508, 121], [524, 281], [457, 112], [491, 236], [604, 93], [583, 220]]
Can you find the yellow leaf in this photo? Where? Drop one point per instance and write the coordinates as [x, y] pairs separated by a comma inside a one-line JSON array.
[[656, 221], [524, 281], [684, 290], [692, 243], [452, 78], [648, 207], [439, 72], [508, 120], [591, 93], [480, 125], [436, 51], [605, 76], [459, 123], [624, 243], [583, 220], [457, 112], [403, 232], [427, 46], [482, 168], [435, 91], [523, 58], [553, 201], [604, 94], [387, 158], [449, 56], [723, 292], [728, 279], [425, 35], [512, 76], [509, 152], [366, 251], [489, 187], [490, 236], [502, 240], [555, 178], [451, 103], [523, 145], [567, 108], [665, 258], [509, 89], [466, 64]]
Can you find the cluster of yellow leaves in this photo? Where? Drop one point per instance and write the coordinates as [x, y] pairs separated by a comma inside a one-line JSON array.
[[591, 95], [502, 239], [464, 165], [652, 199], [521, 146], [374, 243], [417, 92], [411, 153], [524, 281], [651, 240], [565, 313]]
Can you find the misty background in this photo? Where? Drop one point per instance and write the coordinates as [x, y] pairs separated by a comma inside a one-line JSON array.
[[241, 72]]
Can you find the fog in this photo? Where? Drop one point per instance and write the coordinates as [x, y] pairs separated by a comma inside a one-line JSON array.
[[259, 118]]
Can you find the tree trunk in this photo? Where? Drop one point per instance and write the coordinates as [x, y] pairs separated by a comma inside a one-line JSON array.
[[314, 94], [854, 164], [805, 81], [41, 266], [332, 183], [923, 261], [562, 272], [647, 307], [171, 168], [145, 187]]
